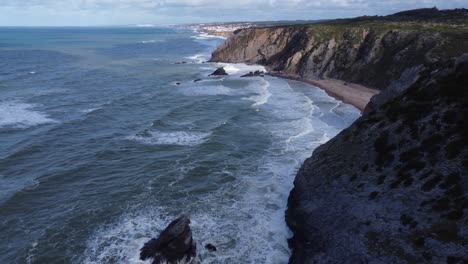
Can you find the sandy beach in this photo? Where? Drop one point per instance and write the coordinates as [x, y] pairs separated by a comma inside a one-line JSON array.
[[350, 93]]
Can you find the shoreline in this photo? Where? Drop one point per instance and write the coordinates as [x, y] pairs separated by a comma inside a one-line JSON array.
[[350, 93]]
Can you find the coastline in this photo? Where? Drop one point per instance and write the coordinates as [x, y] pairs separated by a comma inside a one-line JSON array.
[[378, 156], [350, 93]]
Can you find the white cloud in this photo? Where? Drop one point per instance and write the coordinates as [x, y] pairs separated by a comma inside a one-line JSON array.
[[83, 12], [86, 4]]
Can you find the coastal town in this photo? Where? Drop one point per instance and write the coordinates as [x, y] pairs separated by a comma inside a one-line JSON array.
[[218, 29]]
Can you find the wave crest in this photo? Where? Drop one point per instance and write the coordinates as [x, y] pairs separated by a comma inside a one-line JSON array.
[[181, 138], [17, 114]]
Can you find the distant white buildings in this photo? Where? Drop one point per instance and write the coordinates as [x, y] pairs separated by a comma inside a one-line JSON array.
[[215, 29]]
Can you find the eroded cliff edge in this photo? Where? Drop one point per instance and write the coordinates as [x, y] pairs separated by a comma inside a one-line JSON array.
[[392, 188]]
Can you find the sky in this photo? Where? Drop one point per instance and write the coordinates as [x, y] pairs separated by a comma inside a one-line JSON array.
[[162, 12]]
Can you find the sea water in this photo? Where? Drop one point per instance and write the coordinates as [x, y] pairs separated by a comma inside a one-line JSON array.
[[105, 138]]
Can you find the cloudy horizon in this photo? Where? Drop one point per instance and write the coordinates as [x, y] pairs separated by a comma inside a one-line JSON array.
[[128, 12]]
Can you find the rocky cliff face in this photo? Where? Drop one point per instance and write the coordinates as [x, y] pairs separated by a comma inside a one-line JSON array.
[[374, 52], [392, 188]]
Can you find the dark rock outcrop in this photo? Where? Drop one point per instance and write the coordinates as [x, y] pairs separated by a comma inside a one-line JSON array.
[[371, 51], [407, 78], [218, 72], [175, 243], [392, 188], [211, 247], [254, 74]]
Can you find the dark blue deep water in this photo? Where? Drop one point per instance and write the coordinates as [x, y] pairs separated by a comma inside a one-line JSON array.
[[100, 148]]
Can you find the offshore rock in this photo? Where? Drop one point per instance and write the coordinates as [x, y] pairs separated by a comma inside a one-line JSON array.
[[392, 188], [219, 71], [174, 244], [210, 247], [254, 74]]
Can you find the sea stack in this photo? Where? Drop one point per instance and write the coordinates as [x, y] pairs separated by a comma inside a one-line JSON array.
[[174, 244], [219, 72]]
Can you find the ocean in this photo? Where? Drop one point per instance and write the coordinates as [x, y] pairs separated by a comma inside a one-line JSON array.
[[105, 138]]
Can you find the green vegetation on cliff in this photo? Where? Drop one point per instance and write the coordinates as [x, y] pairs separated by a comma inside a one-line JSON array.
[[372, 51], [451, 25]]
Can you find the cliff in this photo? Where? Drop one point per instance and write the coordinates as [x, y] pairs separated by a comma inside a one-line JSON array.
[[392, 187], [371, 51]]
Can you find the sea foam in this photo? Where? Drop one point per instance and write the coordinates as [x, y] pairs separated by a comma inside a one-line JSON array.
[[204, 90], [17, 114], [198, 58], [245, 220], [204, 36], [121, 242], [263, 94], [181, 138], [90, 110], [151, 41], [237, 69]]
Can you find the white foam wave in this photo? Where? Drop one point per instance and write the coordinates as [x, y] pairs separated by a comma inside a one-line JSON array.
[[324, 139], [121, 243], [338, 104], [199, 58], [145, 25], [150, 41], [236, 242], [205, 36], [263, 94], [181, 138], [294, 129], [307, 128], [90, 110], [21, 115], [240, 68], [31, 253], [245, 221], [205, 90]]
